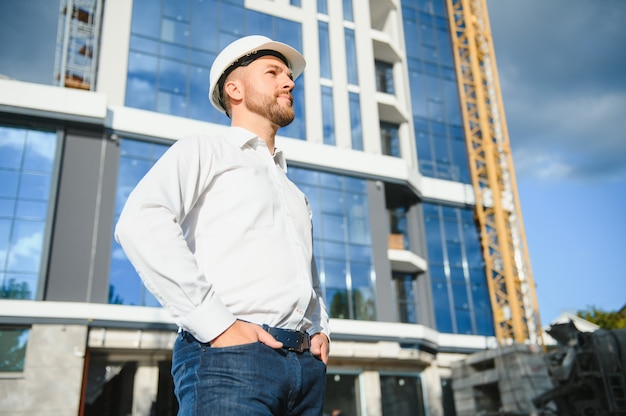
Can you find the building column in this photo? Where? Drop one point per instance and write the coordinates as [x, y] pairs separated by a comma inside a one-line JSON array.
[[370, 389], [53, 370], [145, 388]]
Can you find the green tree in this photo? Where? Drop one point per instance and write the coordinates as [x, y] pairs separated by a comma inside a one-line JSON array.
[[16, 290], [605, 319]]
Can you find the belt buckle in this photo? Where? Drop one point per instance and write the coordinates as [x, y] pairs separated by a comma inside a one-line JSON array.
[[301, 343], [287, 336]]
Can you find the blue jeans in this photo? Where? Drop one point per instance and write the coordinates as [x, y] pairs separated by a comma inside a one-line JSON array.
[[250, 379]]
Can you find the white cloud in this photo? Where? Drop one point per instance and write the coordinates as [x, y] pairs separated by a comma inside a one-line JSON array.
[[563, 81], [25, 254]]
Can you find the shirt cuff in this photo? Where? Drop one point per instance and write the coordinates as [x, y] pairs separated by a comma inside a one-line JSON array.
[[208, 320]]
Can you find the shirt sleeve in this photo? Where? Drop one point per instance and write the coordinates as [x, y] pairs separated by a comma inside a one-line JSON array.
[[319, 319], [149, 230]]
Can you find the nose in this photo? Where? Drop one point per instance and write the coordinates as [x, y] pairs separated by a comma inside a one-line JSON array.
[[289, 84]]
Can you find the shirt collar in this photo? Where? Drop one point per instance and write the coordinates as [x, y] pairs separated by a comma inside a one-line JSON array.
[[242, 137]]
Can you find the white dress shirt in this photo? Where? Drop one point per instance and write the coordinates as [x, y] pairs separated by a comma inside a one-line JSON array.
[[217, 232]]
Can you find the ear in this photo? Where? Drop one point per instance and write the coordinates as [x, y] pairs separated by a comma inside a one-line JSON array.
[[233, 89]]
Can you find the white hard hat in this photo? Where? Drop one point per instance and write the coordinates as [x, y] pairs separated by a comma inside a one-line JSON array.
[[247, 47]]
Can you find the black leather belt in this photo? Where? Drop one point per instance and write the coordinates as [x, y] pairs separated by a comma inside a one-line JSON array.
[[292, 340]]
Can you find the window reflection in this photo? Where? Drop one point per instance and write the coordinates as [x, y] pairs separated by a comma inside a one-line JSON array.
[[136, 158], [172, 48], [342, 241], [328, 115], [456, 268], [13, 343], [355, 121], [434, 93], [27, 159]]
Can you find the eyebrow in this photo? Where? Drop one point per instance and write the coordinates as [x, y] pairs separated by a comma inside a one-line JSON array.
[[279, 68]]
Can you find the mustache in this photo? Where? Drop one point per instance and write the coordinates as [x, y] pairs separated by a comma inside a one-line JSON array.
[[285, 94]]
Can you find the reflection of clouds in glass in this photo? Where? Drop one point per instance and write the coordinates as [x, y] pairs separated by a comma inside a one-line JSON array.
[[141, 64], [39, 145], [118, 253], [25, 253], [42, 145], [27, 54], [142, 92], [13, 138]]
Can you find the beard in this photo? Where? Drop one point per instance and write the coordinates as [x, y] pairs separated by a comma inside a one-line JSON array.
[[269, 107]]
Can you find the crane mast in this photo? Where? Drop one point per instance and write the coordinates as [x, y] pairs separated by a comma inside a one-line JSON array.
[[498, 214]]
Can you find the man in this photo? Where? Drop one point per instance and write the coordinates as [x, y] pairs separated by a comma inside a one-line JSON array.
[[223, 240]]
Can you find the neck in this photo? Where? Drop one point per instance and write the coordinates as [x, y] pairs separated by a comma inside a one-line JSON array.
[[260, 126]]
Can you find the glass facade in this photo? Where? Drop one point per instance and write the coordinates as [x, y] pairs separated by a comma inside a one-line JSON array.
[[27, 162], [456, 266], [342, 241], [435, 102], [136, 158], [26, 54], [172, 48]]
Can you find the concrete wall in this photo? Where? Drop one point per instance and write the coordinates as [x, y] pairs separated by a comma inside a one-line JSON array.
[[52, 379]]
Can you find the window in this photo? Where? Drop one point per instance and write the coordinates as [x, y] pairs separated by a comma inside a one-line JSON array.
[[324, 44], [136, 158], [27, 161], [401, 395], [355, 121], [389, 139], [341, 394], [29, 56], [405, 297], [384, 77], [13, 349], [456, 267], [347, 11], [322, 6], [328, 115], [353, 75], [398, 229], [343, 247], [172, 49], [435, 103]]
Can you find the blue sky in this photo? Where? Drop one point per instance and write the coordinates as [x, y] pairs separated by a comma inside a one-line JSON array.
[[562, 69]]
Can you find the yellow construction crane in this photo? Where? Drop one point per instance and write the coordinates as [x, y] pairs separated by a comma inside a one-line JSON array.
[[498, 214]]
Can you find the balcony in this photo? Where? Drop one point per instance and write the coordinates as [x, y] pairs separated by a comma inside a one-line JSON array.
[[403, 260]]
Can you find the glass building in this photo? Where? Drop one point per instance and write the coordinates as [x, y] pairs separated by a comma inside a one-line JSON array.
[[90, 100]]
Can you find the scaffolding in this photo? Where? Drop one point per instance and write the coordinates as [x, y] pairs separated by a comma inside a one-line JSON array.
[[77, 43], [498, 213]]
